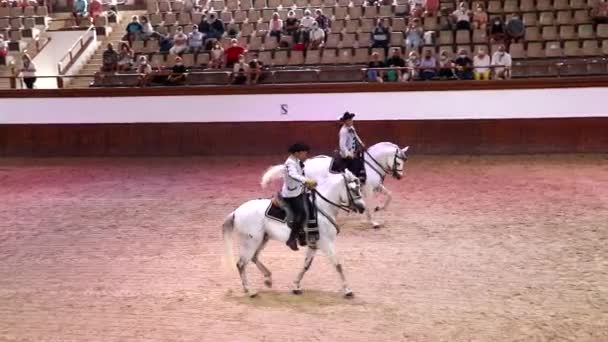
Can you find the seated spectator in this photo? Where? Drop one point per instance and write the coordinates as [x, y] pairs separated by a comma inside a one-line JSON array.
[[381, 35], [431, 7], [216, 56], [300, 39], [233, 53], [428, 66], [195, 39], [3, 50], [317, 37], [374, 75], [497, 30], [178, 73], [240, 71], [144, 69], [291, 23], [395, 61], [413, 35], [213, 28], [134, 30], [275, 27], [599, 12], [125, 58], [417, 11], [480, 17], [180, 42], [446, 66], [323, 21], [413, 63], [501, 61], [514, 28], [255, 70], [28, 71], [462, 17], [147, 31], [95, 8], [80, 11], [464, 65], [109, 59], [307, 20], [481, 63]]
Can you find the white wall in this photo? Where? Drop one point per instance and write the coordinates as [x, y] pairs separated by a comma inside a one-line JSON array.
[[480, 104]]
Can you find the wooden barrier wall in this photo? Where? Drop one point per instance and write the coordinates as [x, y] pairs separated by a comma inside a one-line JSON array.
[[554, 135]]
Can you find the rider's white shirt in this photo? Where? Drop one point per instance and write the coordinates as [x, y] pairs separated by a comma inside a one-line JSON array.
[[348, 141], [293, 178]]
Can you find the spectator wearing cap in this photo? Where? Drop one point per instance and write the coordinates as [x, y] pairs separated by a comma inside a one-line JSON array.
[[373, 74], [233, 53], [462, 17], [195, 39], [464, 65], [501, 61], [481, 63]]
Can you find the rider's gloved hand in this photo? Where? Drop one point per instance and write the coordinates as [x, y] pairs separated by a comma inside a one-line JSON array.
[[310, 183]]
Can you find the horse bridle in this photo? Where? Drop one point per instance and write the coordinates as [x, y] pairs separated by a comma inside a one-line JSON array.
[[351, 198], [393, 172]]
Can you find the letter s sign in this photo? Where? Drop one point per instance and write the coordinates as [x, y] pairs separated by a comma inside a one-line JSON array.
[[284, 109]]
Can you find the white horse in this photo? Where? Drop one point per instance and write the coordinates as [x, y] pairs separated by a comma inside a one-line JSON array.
[[337, 192], [380, 160]]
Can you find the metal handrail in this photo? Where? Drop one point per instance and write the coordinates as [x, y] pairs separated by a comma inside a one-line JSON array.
[[70, 54]]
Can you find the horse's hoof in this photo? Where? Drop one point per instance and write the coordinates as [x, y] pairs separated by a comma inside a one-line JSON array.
[[252, 294], [376, 225], [268, 283], [349, 294], [297, 291], [377, 209]]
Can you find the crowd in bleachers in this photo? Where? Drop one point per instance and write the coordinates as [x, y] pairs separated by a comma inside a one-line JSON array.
[[396, 40]]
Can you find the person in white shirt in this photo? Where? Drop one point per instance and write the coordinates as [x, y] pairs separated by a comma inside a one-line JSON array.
[[145, 70], [317, 36], [351, 147], [28, 71], [275, 27], [481, 64], [462, 16], [195, 39], [501, 61], [293, 193], [307, 21], [180, 42]]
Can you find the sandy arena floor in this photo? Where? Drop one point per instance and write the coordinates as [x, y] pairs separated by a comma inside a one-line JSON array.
[[474, 249]]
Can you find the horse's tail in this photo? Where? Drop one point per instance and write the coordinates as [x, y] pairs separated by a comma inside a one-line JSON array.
[[272, 173], [227, 229]]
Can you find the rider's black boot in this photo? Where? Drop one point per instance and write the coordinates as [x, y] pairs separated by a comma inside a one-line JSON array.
[[292, 242]]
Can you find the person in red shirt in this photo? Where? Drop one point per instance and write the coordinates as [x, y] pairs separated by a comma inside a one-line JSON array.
[[233, 53], [95, 8]]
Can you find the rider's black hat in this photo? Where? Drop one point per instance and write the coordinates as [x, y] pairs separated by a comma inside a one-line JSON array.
[[347, 116], [298, 147]]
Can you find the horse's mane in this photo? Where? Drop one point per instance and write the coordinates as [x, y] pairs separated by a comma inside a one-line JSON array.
[[384, 144]]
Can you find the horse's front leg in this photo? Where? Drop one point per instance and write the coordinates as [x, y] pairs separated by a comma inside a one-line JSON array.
[[368, 195], [310, 255], [388, 195], [329, 250]]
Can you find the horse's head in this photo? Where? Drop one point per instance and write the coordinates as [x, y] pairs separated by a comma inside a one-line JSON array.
[[396, 163], [352, 193]]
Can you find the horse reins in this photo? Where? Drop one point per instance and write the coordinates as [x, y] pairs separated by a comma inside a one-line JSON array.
[[393, 172], [346, 208]]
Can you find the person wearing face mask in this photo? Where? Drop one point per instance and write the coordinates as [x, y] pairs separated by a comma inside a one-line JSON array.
[[178, 73], [233, 53], [145, 71], [413, 63], [446, 66], [497, 30], [481, 63], [180, 42], [428, 66], [464, 65], [413, 35], [240, 71], [480, 18], [501, 60], [381, 36], [212, 27], [195, 40], [462, 17]]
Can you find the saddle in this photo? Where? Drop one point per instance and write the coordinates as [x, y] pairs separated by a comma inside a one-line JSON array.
[[309, 235], [357, 166]]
